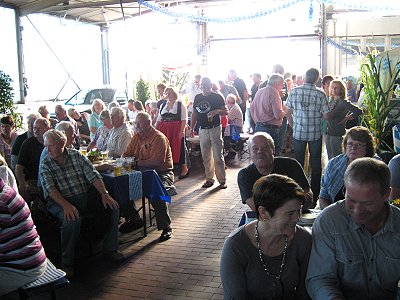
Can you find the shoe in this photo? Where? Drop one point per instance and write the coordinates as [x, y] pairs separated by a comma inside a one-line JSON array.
[[114, 255], [223, 185], [130, 226], [69, 270], [207, 184], [166, 234], [184, 176], [171, 190]]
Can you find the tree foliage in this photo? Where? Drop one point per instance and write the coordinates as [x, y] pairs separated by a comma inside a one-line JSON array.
[[7, 106]]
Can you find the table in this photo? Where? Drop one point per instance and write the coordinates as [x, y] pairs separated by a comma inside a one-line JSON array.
[[152, 189]]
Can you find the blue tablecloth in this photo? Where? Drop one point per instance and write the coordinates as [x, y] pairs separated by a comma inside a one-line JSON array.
[[127, 187]]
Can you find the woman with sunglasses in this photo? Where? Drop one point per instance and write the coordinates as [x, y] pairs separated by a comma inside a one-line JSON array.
[[268, 258], [358, 142]]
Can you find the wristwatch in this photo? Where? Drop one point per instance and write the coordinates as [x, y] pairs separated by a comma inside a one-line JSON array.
[[104, 192]]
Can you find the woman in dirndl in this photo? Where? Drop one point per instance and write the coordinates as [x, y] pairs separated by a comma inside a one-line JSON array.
[[172, 121]]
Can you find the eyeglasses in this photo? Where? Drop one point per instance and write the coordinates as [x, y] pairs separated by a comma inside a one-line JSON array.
[[355, 145]]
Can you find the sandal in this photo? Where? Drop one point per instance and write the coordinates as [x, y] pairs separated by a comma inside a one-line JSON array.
[[207, 184]]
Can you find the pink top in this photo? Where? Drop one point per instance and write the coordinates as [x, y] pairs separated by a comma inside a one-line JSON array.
[[267, 107], [5, 148]]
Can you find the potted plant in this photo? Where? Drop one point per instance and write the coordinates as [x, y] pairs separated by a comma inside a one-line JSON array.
[[7, 106], [377, 105]]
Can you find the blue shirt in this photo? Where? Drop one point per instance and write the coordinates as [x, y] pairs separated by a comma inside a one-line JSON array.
[[348, 261]]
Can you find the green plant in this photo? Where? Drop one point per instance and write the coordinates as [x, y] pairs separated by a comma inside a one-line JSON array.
[[142, 91], [377, 104], [7, 106]]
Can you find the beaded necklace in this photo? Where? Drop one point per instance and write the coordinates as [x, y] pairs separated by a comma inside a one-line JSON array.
[[278, 277]]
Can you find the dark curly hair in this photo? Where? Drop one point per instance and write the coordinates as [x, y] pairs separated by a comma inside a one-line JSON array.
[[363, 135]]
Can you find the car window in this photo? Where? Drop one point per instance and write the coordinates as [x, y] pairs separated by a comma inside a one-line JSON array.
[[106, 95]]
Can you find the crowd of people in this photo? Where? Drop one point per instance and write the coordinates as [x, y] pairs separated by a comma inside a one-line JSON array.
[[351, 252]]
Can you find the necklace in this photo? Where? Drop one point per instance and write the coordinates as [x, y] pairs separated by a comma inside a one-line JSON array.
[[278, 277]]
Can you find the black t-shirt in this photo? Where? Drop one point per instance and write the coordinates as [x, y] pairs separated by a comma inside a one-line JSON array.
[[18, 143], [240, 86], [202, 105], [29, 157], [282, 165]]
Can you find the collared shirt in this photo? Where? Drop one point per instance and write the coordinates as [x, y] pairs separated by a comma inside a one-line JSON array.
[[154, 147], [101, 137], [308, 104], [71, 179], [347, 261], [235, 115], [118, 140], [266, 106]]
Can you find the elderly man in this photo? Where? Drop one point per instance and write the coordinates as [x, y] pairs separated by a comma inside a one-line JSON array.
[[227, 89], [240, 86], [67, 181], [30, 119], [267, 109], [120, 135], [261, 146], [61, 114], [355, 252], [27, 167], [307, 105], [151, 149], [207, 109]]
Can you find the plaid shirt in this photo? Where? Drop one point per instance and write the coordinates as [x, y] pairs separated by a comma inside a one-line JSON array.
[[71, 179], [308, 104]]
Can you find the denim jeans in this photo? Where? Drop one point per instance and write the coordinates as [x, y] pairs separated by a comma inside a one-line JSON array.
[[273, 132], [70, 229], [315, 149]]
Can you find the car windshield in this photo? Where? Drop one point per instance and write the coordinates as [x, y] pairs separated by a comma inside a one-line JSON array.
[[87, 96]]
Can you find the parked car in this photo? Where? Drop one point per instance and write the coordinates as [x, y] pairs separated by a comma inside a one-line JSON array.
[[82, 100]]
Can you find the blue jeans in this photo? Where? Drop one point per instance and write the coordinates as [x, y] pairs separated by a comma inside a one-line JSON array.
[[281, 139], [315, 149], [273, 132], [70, 229]]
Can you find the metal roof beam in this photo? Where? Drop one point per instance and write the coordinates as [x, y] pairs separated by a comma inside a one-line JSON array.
[[38, 6]]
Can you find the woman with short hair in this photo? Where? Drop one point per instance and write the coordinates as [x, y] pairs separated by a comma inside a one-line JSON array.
[[94, 119], [358, 142], [268, 258], [7, 137]]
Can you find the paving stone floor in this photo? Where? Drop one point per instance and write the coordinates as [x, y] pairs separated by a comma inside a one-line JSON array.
[[184, 267]]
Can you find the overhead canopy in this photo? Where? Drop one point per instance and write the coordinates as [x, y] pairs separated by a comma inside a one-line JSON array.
[[104, 12]]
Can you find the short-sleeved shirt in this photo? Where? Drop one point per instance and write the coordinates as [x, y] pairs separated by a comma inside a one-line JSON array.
[[29, 157], [308, 104], [154, 146], [94, 121], [202, 105], [282, 165], [73, 178], [394, 166], [266, 106], [118, 140], [239, 84]]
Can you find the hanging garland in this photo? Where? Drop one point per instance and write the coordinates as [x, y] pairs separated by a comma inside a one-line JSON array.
[[198, 18], [344, 49], [358, 5]]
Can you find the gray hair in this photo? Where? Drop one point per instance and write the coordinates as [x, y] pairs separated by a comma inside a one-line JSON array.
[[98, 100], [66, 127], [44, 121], [275, 78], [119, 111], [278, 69], [59, 107], [312, 76], [105, 114], [269, 139], [57, 136], [144, 115], [32, 117], [368, 170]]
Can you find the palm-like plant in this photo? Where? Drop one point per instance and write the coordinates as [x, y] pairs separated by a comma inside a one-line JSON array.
[[377, 104]]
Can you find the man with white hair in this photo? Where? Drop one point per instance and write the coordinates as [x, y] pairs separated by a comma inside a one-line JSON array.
[[73, 187], [151, 149], [61, 114], [120, 135]]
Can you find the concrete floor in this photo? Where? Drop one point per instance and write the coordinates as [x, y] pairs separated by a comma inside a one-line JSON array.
[[184, 267]]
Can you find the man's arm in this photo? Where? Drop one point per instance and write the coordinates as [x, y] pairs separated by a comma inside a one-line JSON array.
[[394, 166], [106, 199], [321, 280], [193, 122], [20, 175], [71, 213], [289, 116]]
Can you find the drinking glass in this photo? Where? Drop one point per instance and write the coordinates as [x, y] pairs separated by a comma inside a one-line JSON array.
[[83, 150]]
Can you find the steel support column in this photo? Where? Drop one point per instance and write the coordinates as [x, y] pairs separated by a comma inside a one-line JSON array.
[[105, 55]]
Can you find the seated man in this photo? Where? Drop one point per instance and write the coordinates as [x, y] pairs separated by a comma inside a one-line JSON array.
[[27, 167], [355, 252], [23, 259], [261, 148], [151, 149], [61, 114], [67, 178], [120, 135]]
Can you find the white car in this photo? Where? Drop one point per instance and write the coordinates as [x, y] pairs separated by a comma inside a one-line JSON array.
[[83, 100]]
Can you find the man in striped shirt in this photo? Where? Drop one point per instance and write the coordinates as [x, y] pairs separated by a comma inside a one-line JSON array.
[[22, 257]]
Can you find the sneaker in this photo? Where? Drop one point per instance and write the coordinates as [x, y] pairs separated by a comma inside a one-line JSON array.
[[114, 255], [223, 185], [130, 226], [166, 234]]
